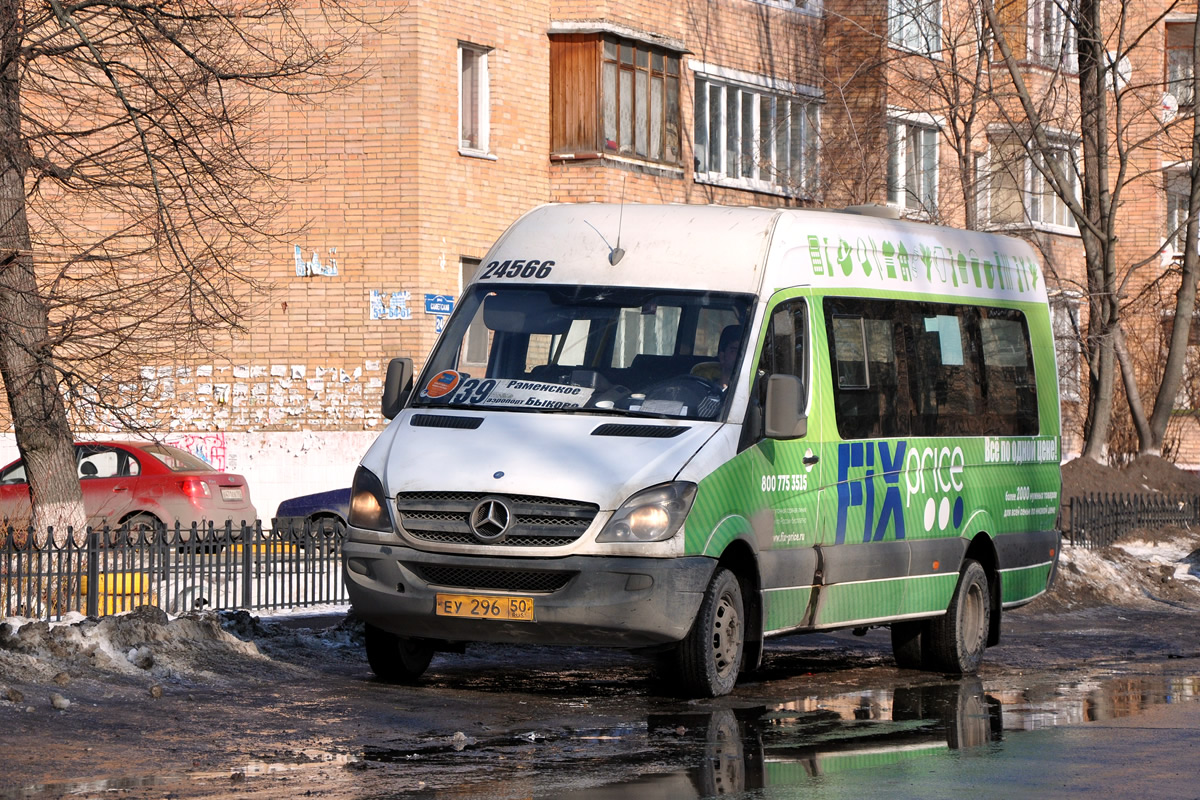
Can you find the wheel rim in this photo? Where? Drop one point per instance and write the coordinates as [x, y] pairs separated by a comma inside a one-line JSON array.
[[727, 635], [972, 622]]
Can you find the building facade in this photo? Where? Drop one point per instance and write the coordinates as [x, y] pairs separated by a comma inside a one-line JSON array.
[[461, 122]]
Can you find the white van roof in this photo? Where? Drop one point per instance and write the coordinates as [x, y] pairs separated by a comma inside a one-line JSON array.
[[739, 249]]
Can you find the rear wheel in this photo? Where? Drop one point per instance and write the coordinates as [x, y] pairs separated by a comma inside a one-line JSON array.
[[397, 659], [710, 657], [956, 641], [143, 527]]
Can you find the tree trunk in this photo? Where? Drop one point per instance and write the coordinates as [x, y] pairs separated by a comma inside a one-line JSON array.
[[26, 365], [1185, 297], [1098, 238]]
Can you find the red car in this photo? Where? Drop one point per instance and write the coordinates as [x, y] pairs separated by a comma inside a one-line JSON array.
[[140, 484]]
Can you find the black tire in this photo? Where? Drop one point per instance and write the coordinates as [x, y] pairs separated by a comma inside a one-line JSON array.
[[956, 641], [710, 657], [397, 659], [908, 642], [143, 527]]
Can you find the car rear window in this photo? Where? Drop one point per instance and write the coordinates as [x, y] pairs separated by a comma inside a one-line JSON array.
[[177, 460]]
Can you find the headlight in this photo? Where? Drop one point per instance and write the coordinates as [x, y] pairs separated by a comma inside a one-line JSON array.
[[651, 515], [368, 504]]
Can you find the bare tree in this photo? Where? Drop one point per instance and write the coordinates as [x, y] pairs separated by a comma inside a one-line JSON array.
[[137, 184], [1110, 115]]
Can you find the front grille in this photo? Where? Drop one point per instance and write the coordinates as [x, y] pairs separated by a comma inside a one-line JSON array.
[[443, 518], [504, 580]]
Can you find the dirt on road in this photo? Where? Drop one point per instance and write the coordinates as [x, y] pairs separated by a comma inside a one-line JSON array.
[[223, 705]]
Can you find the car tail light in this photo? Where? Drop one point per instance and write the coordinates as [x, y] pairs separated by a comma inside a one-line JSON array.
[[195, 487]]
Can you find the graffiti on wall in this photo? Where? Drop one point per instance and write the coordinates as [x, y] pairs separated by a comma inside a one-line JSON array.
[[208, 446]]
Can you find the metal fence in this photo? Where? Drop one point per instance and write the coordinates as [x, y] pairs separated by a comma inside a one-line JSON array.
[[292, 564], [1098, 520]]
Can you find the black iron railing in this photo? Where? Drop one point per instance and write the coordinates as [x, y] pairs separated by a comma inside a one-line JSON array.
[[110, 570], [1098, 520]]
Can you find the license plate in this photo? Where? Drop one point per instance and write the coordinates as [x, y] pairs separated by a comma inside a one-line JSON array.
[[231, 494], [476, 606]]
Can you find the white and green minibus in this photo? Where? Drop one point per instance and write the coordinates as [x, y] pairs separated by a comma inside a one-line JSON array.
[[687, 429]]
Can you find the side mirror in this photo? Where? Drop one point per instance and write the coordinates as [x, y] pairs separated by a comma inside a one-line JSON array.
[[397, 386], [785, 413]]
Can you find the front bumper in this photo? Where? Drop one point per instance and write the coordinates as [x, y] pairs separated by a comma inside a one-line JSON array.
[[587, 600]]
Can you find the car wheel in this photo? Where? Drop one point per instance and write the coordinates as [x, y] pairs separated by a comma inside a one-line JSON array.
[[710, 657], [397, 659], [958, 639], [143, 528]]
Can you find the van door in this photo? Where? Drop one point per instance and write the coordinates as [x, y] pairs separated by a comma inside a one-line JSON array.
[[790, 471], [866, 557]]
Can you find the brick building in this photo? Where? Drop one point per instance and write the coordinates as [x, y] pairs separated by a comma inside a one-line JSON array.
[[464, 121]]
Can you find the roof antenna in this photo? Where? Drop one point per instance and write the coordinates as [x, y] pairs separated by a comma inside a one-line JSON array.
[[615, 254]]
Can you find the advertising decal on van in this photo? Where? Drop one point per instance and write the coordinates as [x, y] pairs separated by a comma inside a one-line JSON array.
[[923, 265]]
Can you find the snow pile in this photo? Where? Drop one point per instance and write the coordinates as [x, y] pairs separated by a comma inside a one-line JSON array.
[[144, 642], [1149, 570]]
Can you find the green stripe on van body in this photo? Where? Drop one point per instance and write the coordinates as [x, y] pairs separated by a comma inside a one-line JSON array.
[[1020, 585], [845, 603], [928, 594], [784, 608]]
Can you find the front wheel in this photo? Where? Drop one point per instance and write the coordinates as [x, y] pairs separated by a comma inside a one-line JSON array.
[[956, 641], [397, 659], [710, 657]]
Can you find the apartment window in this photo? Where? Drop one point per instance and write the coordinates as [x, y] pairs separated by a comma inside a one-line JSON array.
[[1180, 69], [754, 137], [1178, 188], [912, 166], [1019, 192], [811, 6], [472, 98], [915, 24], [614, 96], [1064, 317], [1052, 33]]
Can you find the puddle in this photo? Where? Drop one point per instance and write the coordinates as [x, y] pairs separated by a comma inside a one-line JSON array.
[[766, 747], [803, 741]]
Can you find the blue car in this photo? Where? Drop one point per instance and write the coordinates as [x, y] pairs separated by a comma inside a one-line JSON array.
[[323, 512]]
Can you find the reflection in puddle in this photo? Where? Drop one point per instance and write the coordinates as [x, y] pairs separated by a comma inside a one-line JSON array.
[[793, 742], [804, 741]]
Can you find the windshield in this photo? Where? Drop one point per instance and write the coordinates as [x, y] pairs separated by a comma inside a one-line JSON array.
[[618, 350]]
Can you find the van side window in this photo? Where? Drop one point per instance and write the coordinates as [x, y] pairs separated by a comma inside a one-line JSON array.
[[785, 352], [930, 369]]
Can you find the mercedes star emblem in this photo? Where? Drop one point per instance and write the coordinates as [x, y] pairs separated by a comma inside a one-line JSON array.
[[490, 520]]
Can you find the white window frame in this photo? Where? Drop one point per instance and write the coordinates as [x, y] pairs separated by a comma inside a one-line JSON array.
[[1177, 193], [915, 25], [1034, 188], [756, 96], [1179, 66], [1064, 320], [813, 8], [479, 104], [1052, 38], [902, 125]]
